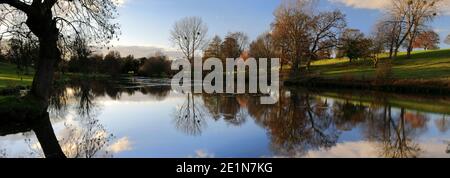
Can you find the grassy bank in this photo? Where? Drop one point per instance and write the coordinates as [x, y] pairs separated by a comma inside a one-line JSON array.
[[9, 77], [11, 80], [422, 65], [426, 71]]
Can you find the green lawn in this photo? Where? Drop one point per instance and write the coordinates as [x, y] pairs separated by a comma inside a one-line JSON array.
[[422, 65], [10, 78]]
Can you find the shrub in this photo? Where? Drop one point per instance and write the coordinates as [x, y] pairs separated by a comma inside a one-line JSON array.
[[155, 67], [383, 72]]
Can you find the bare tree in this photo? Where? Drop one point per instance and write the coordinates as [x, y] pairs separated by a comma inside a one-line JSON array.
[[263, 47], [387, 33], [230, 48], [325, 31], [241, 40], [80, 52], [23, 52], [303, 35], [214, 48], [447, 40], [56, 22], [189, 35], [411, 16], [377, 47]]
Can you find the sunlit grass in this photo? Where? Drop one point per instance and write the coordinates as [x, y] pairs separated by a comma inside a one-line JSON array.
[[10, 78], [422, 65]]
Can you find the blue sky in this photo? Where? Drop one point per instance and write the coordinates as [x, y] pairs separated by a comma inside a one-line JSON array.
[[148, 22]]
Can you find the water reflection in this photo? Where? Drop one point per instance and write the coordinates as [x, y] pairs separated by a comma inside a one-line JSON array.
[[190, 117], [84, 136], [302, 124], [295, 125], [41, 126]]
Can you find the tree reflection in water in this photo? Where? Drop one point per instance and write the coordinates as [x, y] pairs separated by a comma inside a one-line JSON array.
[[23, 123], [86, 137], [302, 122], [397, 136], [86, 105], [190, 117], [297, 124], [230, 108], [3, 153], [83, 136], [443, 124]]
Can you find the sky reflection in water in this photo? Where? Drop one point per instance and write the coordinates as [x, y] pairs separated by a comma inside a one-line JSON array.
[[147, 119]]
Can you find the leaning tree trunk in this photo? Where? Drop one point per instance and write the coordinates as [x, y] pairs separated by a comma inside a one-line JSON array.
[[409, 50], [44, 27], [48, 60]]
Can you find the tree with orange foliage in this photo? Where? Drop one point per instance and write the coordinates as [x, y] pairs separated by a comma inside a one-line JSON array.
[[427, 40], [290, 31]]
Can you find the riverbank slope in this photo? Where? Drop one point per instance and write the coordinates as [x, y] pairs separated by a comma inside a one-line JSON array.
[[426, 71]]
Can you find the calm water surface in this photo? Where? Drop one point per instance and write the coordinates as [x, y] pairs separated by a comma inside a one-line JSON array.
[[145, 118]]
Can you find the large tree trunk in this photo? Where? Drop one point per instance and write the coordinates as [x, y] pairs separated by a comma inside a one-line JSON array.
[[308, 64], [295, 68], [44, 27], [408, 55], [410, 48], [396, 52], [49, 56], [412, 37], [391, 52]]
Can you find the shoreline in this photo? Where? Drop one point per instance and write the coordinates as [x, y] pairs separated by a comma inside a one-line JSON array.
[[409, 86]]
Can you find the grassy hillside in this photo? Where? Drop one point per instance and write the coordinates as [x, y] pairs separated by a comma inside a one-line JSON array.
[[423, 65], [10, 78]]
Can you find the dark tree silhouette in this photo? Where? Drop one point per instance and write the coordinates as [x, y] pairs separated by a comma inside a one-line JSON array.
[[56, 22], [42, 128]]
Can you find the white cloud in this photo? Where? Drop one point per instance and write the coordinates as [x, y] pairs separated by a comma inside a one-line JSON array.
[[441, 30], [363, 4], [202, 154], [121, 2], [140, 51], [382, 4], [120, 145], [363, 149]]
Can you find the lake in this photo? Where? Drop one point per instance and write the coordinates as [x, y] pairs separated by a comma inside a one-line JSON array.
[[140, 117]]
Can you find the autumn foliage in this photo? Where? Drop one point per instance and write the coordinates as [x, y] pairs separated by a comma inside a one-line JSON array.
[[427, 40]]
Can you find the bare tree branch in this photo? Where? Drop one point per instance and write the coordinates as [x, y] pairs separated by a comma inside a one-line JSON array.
[[17, 4]]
